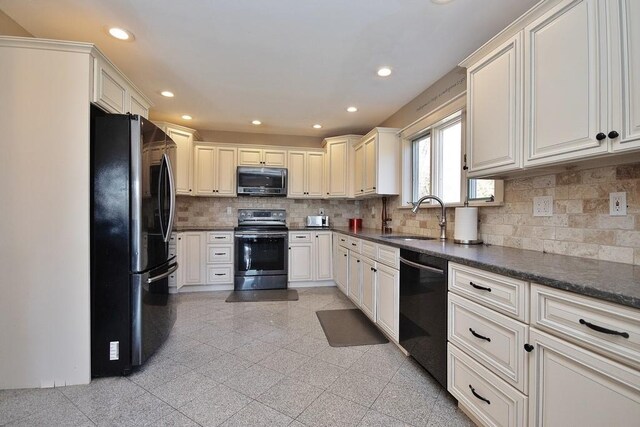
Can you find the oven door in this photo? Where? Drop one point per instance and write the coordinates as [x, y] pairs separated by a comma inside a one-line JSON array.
[[261, 253]]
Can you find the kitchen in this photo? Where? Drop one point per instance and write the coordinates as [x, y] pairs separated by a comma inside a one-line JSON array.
[[558, 223]]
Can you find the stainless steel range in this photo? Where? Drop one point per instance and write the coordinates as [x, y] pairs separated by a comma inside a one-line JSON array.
[[261, 239]]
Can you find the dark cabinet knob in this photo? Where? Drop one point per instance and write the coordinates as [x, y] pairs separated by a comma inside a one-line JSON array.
[[189, 189], [357, 260], [600, 136], [528, 348], [374, 188], [289, 247], [613, 134], [327, 193]]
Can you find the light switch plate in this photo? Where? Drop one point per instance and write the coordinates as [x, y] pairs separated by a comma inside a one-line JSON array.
[[618, 204], [543, 206]]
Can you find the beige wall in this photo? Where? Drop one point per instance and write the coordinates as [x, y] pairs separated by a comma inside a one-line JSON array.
[[9, 27], [260, 138]]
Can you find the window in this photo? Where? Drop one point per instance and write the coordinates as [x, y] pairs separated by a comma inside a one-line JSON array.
[[481, 190]]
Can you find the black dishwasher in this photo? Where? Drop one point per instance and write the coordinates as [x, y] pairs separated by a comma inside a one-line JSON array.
[[423, 311]]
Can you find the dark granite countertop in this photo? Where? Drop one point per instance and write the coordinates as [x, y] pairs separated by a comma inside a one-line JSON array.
[[610, 281], [304, 228], [201, 228]]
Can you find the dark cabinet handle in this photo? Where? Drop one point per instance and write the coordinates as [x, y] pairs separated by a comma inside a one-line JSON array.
[[482, 288], [300, 237], [477, 335], [603, 330], [327, 193], [219, 237], [374, 188], [528, 348], [344, 254], [219, 253], [218, 274], [473, 390], [613, 134], [289, 247], [357, 260], [600, 136]]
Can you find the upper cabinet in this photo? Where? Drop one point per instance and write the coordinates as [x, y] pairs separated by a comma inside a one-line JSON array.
[[183, 163], [114, 92], [250, 156], [494, 125], [377, 163], [560, 85], [214, 170], [306, 174], [338, 172]]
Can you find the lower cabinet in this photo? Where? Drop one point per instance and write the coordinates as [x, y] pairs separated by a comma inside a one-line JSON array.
[[572, 386], [341, 268], [204, 258], [355, 277], [192, 257], [310, 256], [387, 299], [368, 291]]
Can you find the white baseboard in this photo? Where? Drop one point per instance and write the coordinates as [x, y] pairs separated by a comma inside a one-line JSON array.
[[320, 283]]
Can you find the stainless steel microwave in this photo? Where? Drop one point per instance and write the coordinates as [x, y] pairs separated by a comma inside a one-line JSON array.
[[259, 181]]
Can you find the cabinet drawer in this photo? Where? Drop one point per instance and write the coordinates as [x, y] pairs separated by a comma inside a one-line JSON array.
[[504, 294], [494, 340], [299, 237], [220, 237], [577, 318], [355, 244], [389, 256], [343, 240], [217, 254], [219, 274], [470, 382], [369, 249]]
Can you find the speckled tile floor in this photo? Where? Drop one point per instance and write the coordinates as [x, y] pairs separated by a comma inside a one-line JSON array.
[[249, 364]]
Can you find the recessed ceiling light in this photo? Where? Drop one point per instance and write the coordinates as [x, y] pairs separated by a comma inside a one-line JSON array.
[[384, 72], [256, 122], [352, 109], [121, 34], [317, 126], [187, 117], [167, 93]]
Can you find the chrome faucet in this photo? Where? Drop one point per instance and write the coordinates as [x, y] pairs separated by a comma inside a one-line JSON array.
[[442, 219]]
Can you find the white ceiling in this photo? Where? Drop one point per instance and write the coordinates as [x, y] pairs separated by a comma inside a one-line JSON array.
[[288, 63]]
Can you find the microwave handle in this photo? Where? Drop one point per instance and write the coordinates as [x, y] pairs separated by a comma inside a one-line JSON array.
[[283, 172]]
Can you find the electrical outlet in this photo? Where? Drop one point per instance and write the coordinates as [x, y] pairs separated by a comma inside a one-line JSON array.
[[321, 211], [114, 350], [618, 204], [543, 206]]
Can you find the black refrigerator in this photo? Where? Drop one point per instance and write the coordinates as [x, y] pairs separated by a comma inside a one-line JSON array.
[[132, 212]]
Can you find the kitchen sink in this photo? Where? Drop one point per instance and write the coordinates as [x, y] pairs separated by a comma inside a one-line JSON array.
[[406, 238]]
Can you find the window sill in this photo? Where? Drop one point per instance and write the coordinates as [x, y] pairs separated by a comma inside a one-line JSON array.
[[453, 205]]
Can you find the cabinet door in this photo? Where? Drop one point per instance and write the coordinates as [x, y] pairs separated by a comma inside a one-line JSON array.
[[388, 299], [296, 174], [494, 110], [193, 260], [571, 386], [300, 262], [358, 177], [370, 166], [275, 158], [184, 160], [564, 109], [138, 106], [315, 174], [323, 256], [337, 169], [249, 156], [226, 171], [110, 89], [181, 257], [205, 170], [356, 271], [342, 269], [369, 288]]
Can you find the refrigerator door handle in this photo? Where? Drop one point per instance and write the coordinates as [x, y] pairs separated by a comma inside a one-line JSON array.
[[160, 199], [172, 192], [172, 269]]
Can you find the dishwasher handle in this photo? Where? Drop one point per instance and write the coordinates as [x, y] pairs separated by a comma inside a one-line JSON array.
[[421, 266]]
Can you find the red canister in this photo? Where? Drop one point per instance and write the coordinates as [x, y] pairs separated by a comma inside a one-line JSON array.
[[355, 224]]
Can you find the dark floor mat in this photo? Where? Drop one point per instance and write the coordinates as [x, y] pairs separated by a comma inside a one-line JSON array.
[[349, 327], [263, 295]]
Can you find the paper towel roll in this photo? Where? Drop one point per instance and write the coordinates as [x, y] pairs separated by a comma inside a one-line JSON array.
[[466, 225]]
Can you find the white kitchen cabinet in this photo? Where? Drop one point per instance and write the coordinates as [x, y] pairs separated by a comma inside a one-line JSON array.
[[138, 105], [377, 163], [356, 266], [571, 386], [114, 92], [214, 170], [193, 267], [494, 111], [387, 286], [338, 158], [342, 269], [368, 288], [183, 161], [173, 252], [310, 256], [252, 156], [306, 174], [565, 100]]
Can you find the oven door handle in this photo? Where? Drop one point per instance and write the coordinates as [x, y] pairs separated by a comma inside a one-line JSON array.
[[261, 234], [420, 266]]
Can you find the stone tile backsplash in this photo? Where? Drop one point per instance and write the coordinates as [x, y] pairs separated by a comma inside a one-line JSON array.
[[580, 225]]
